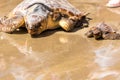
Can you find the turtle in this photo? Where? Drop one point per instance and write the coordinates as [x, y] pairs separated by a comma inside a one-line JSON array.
[[102, 31], [40, 15]]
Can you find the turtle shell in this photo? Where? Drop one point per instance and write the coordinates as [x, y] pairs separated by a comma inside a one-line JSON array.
[[104, 27], [52, 4]]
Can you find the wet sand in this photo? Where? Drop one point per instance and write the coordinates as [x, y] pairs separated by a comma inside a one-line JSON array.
[[59, 55]]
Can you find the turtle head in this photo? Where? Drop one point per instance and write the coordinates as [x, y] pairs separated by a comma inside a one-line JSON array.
[[34, 24], [34, 29]]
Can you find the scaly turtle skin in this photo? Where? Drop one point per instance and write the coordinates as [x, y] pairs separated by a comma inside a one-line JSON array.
[[40, 15], [102, 31]]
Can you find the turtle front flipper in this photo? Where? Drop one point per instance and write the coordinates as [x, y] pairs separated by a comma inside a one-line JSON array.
[[11, 24], [67, 24]]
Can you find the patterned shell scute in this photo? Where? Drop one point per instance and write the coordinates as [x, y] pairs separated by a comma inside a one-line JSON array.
[[53, 4]]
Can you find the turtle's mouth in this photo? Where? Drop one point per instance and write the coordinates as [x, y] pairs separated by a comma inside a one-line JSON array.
[[33, 32]]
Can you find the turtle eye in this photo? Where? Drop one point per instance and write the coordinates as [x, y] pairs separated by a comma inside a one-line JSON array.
[[37, 25]]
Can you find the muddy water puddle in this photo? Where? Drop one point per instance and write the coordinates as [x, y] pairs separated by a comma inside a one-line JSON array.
[[58, 55]]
